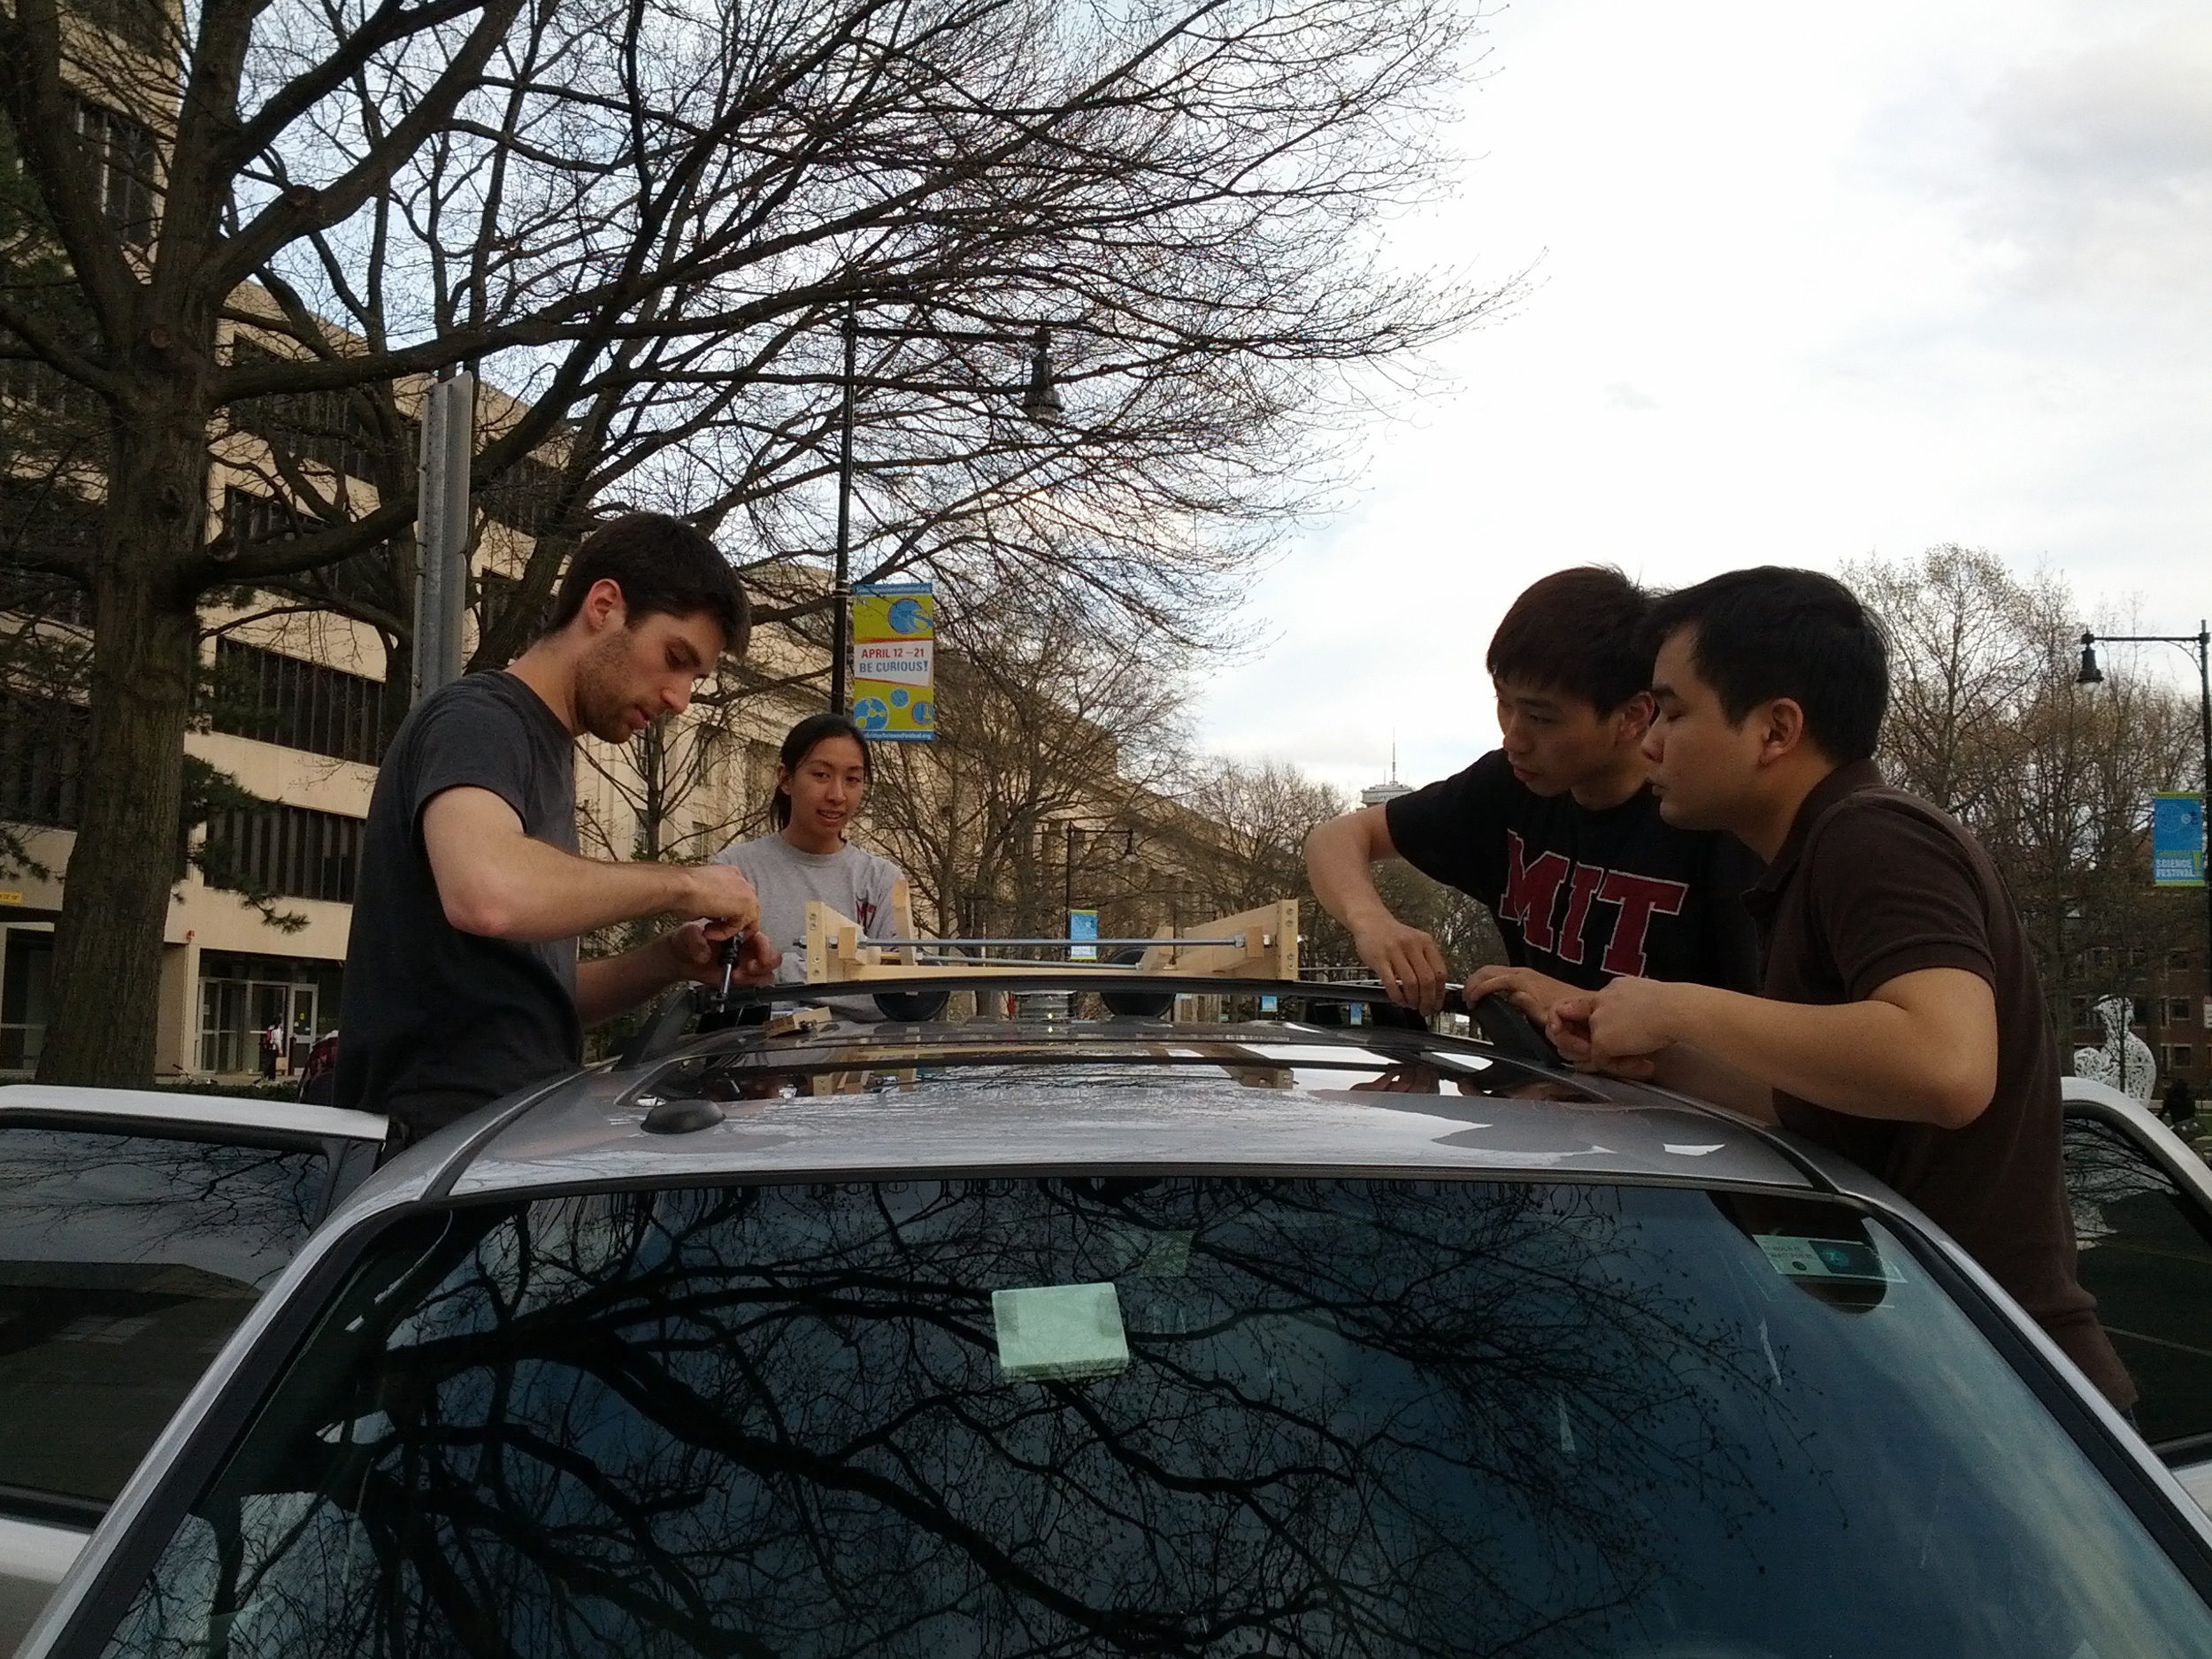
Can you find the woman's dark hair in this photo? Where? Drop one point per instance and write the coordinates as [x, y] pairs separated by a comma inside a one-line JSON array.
[[1774, 632], [664, 567], [1579, 631], [801, 741]]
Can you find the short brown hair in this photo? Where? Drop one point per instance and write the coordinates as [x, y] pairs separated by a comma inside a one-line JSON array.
[[1580, 632], [664, 567]]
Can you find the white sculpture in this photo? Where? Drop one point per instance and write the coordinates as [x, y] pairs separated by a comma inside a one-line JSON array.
[[2123, 1061]]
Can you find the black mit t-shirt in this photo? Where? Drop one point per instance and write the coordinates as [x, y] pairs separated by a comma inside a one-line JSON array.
[[435, 1022], [1584, 895]]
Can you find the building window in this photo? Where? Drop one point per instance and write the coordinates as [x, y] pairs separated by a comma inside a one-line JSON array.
[[139, 23], [496, 595], [2177, 959], [279, 699], [325, 426], [27, 973], [2177, 1010], [123, 161], [41, 758], [2179, 1057], [284, 851]]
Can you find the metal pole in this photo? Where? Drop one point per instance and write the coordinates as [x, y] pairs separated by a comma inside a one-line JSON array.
[[453, 521], [841, 603], [2204, 800], [429, 567], [442, 532]]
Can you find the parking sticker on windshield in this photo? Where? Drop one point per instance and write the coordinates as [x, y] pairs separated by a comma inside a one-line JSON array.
[[1825, 1258], [1059, 1331]]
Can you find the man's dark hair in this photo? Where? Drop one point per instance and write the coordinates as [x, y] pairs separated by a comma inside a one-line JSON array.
[[802, 741], [1774, 632], [1579, 631], [664, 567]]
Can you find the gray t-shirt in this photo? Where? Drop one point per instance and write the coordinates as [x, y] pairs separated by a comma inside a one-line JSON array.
[[435, 1022], [855, 884]]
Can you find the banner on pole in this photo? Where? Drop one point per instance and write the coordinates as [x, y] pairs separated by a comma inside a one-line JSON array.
[[2177, 839], [1082, 925], [895, 635]]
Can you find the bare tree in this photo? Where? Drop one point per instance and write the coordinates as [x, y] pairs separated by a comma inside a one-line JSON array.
[[1053, 752], [648, 223], [1260, 815], [2054, 778]]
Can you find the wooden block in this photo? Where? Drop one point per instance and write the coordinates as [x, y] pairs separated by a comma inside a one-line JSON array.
[[796, 1019], [902, 918], [1270, 950]]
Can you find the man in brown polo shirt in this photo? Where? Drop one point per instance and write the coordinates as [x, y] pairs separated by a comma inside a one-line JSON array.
[[1900, 1021]]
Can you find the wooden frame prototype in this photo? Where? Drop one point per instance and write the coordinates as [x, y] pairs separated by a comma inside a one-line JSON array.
[[1266, 948]]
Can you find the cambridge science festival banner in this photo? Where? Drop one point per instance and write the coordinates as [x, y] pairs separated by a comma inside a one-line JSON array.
[[2176, 841], [894, 634]]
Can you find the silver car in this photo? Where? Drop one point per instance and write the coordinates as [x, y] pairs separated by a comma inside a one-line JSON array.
[[137, 1228], [2142, 1204], [1069, 1336]]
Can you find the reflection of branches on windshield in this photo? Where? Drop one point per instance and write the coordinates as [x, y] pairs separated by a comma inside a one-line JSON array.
[[1420, 1417], [89, 1196]]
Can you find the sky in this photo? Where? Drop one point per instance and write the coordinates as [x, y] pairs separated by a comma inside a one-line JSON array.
[[1807, 284]]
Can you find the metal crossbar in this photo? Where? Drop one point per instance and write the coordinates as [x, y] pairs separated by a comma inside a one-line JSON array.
[[1235, 941]]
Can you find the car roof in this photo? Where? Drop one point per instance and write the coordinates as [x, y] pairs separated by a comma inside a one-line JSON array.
[[179, 1106], [1107, 1096], [2088, 1089]]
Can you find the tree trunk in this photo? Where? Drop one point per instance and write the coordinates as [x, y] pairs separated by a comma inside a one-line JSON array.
[[116, 898]]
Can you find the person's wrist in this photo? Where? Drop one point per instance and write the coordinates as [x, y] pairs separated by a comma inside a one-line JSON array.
[[1677, 1010], [1363, 924], [690, 899]]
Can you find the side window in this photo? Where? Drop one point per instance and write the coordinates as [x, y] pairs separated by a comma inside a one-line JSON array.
[[2147, 1256], [126, 1259]]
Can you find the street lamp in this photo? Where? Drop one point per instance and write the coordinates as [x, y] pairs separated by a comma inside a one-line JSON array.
[[2200, 643], [1040, 402]]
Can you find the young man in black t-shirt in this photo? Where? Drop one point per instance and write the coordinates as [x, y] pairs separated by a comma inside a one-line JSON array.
[[1556, 832], [462, 976]]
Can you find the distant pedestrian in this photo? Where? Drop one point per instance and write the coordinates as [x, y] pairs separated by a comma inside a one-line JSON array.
[[272, 1046], [2181, 1105]]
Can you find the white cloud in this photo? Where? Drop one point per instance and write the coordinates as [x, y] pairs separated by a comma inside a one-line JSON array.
[[1817, 283]]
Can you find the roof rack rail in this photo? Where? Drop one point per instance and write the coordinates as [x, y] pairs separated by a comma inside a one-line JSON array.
[[1503, 1027]]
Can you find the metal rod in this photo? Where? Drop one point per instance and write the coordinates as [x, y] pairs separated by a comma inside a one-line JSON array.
[[2204, 798], [843, 583], [981, 336], [1236, 939]]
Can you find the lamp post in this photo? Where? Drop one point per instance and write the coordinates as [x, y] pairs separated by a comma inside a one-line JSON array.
[[1040, 402], [2200, 643]]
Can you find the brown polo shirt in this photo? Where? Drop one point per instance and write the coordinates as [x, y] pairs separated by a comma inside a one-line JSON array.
[[1873, 883]]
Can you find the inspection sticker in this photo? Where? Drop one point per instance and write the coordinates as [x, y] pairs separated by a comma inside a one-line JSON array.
[[1825, 1258], [1059, 1331]]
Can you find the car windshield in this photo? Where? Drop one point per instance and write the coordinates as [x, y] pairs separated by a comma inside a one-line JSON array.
[[1185, 1416], [126, 1259]]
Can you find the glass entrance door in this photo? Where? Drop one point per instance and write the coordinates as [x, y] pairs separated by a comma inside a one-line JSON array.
[[234, 1014]]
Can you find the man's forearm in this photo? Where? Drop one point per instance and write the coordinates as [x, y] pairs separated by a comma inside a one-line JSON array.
[[1689, 1070], [540, 894], [1871, 1059], [1343, 875], [607, 986]]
